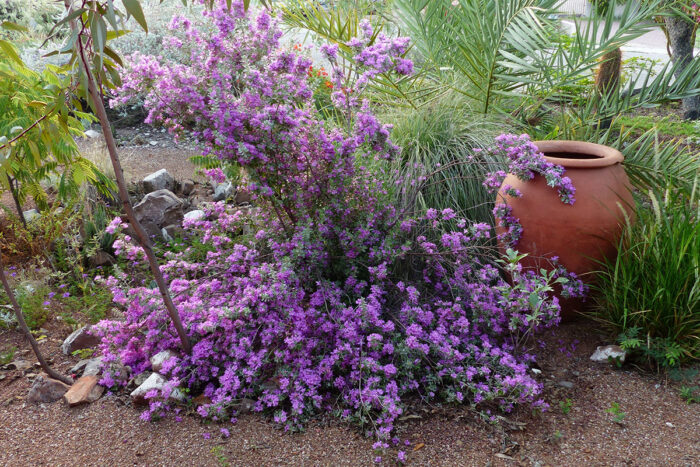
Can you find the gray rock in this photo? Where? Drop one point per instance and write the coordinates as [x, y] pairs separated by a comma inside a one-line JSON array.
[[31, 215], [603, 354], [92, 134], [223, 191], [566, 384], [158, 209], [18, 364], [153, 143], [187, 187], [93, 367], [102, 258], [46, 390], [161, 357], [159, 180], [79, 339], [139, 379], [196, 215], [155, 381]]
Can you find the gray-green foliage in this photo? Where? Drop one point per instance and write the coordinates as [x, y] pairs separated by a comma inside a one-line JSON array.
[[438, 166]]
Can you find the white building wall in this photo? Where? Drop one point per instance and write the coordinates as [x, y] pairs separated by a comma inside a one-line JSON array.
[[576, 7]]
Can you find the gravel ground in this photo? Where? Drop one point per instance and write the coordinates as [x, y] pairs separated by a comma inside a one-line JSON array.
[[658, 429]]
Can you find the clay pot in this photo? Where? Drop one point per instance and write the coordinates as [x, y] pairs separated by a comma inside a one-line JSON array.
[[580, 234]]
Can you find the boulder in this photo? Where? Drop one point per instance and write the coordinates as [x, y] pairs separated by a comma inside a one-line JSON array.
[[159, 180], [161, 357], [158, 209], [79, 339], [46, 390], [157, 382], [83, 391], [92, 134], [604, 354]]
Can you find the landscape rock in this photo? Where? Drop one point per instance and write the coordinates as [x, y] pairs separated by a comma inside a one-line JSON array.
[[223, 191], [83, 391], [88, 366], [187, 187], [79, 339], [603, 354], [172, 231], [157, 382], [243, 196], [20, 365], [46, 390], [161, 357], [92, 134], [158, 181], [196, 215], [31, 215], [158, 209], [102, 258], [139, 379], [566, 384]]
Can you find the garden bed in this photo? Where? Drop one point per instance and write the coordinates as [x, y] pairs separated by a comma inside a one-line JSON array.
[[659, 428]]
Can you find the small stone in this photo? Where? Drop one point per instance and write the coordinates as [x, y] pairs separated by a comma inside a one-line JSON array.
[[92, 134], [187, 187], [566, 384], [159, 180], [153, 143], [536, 371], [160, 358], [243, 196], [139, 379], [138, 140], [93, 367], [196, 215], [245, 406], [79, 339], [81, 390], [604, 354], [670, 425], [20, 365], [46, 390], [157, 382], [102, 258], [223, 191], [31, 215]]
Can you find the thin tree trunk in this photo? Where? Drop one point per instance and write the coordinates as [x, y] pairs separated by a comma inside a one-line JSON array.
[[141, 235], [25, 329], [681, 35], [15, 198]]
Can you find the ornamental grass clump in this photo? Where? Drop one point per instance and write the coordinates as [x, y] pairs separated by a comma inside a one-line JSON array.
[[324, 297]]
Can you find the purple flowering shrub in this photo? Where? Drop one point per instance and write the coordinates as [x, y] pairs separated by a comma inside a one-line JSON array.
[[323, 297]]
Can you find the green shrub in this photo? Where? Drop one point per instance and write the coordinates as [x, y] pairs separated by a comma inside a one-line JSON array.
[[650, 293]]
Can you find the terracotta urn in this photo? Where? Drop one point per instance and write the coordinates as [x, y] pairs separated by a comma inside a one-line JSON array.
[[579, 234]]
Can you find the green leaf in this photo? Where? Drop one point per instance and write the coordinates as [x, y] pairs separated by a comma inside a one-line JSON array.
[[9, 50], [10, 26], [133, 7]]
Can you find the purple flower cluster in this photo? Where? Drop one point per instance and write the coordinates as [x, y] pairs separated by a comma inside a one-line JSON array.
[[525, 162], [324, 297]]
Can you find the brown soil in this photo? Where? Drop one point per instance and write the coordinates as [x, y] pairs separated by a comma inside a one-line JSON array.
[[659, 427]]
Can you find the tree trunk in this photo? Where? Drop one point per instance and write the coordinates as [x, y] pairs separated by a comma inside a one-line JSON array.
[[680, 34], [15, 198], [141, 235], [25, 329]]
